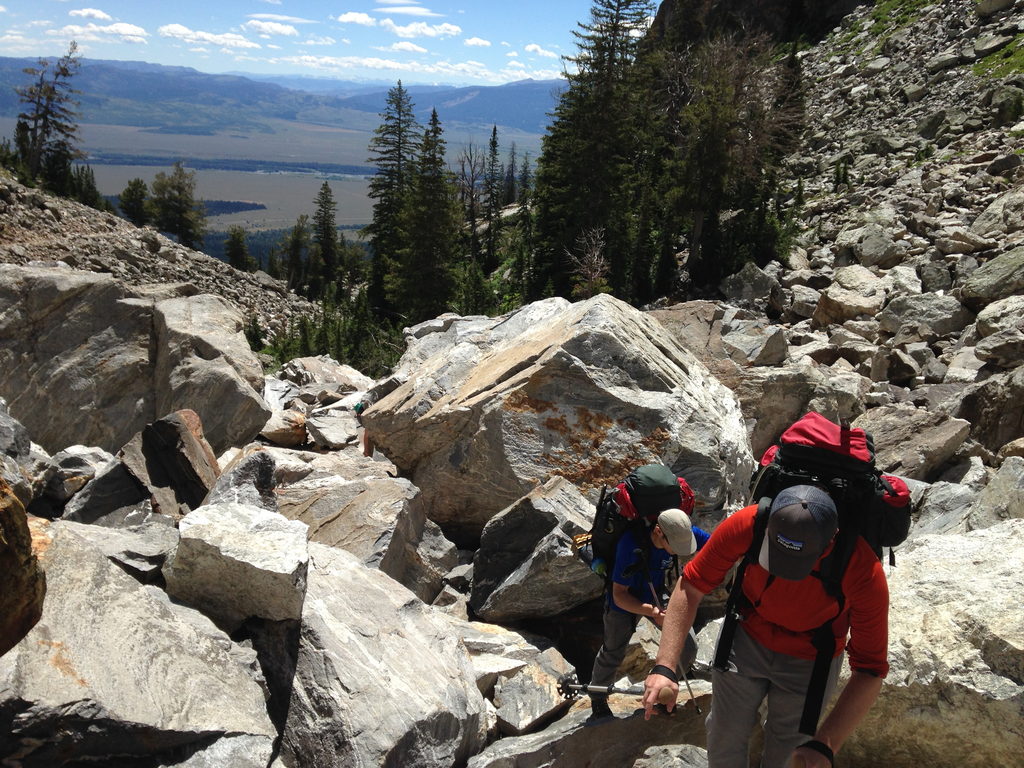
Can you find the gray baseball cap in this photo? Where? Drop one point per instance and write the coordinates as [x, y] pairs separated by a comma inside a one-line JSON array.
[[675, 524], [801, 524]]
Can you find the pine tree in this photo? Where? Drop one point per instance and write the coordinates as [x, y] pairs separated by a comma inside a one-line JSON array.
[[132, 201], [493, 178], [585, 176], [296, 249], [173, 206], [739, 114], [325, 233], [508, 189], [48, 125], [394, 148], [236, 250], [421, 285], [274, 264], [84, 189]]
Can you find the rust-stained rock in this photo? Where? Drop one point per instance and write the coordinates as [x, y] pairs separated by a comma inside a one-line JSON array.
[[22, 583], [173, 460]]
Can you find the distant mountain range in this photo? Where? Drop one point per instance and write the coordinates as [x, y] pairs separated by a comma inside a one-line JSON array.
[[184, 100]]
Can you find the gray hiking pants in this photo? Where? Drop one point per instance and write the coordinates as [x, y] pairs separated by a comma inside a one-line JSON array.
[[618, 629], [757, 674]]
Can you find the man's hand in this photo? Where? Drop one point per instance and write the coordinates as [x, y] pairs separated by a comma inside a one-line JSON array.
[[810, 757], [659, 689], [658, 617]]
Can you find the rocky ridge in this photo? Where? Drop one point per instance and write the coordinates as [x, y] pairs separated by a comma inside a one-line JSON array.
[[38, 228]]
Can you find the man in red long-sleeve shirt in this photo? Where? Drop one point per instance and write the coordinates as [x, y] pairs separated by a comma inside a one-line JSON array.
[[773, 655]]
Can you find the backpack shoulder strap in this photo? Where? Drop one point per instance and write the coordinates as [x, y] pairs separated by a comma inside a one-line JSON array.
[[833, 567], [737, 600]]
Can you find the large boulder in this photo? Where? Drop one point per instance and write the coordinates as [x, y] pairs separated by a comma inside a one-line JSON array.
[[1003, 215], [956, 646], [351, 502], [204, 362], [22, 583], [838, 304], [992, 407], [378, 677], [234, 561], [997, 279], [912, 442], [1003, 497], [587, 391], [115, 362], [698, 327], [172, 459], [525, 567], [111, 675], [939, 315], [577, 742], [90, 344]]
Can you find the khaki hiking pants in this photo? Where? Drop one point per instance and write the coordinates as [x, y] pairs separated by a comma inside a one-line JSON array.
[[758, 675]]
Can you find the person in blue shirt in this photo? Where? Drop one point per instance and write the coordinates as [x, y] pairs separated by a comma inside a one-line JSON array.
[[640, 577]]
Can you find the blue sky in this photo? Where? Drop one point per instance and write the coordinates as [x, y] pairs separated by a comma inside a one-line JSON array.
[[417, 41]]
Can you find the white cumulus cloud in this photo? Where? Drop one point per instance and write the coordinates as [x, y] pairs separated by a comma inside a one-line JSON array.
[[405, 47], [268, 28], [228, 40], [477, 42], [320, 40], [91, 13], [408, 10], [421, 29], [279, 17], [125, 33], [363, 19], [534, 48]]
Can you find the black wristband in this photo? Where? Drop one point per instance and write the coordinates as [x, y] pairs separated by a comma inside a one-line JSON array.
[[661, 669], [821, 747]]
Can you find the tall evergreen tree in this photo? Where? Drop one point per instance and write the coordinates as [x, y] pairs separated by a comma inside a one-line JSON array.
[[325, 233], [274, 264], [508, 188], [296, 249], [174, 207], [48, 125], [738, 113], [84, 189], [421, 285], [394, 149], [236, 250], [132, 202], [493, 179], [584, 177]]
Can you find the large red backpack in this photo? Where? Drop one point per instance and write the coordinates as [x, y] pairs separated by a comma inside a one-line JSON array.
[[816, 451], [872, 506]]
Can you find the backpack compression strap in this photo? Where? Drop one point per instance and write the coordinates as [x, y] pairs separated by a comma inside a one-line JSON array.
[[823, 638], [737, 600]]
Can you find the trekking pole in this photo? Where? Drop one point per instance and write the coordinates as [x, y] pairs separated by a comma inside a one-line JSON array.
[[569, 687], [686, 677]]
